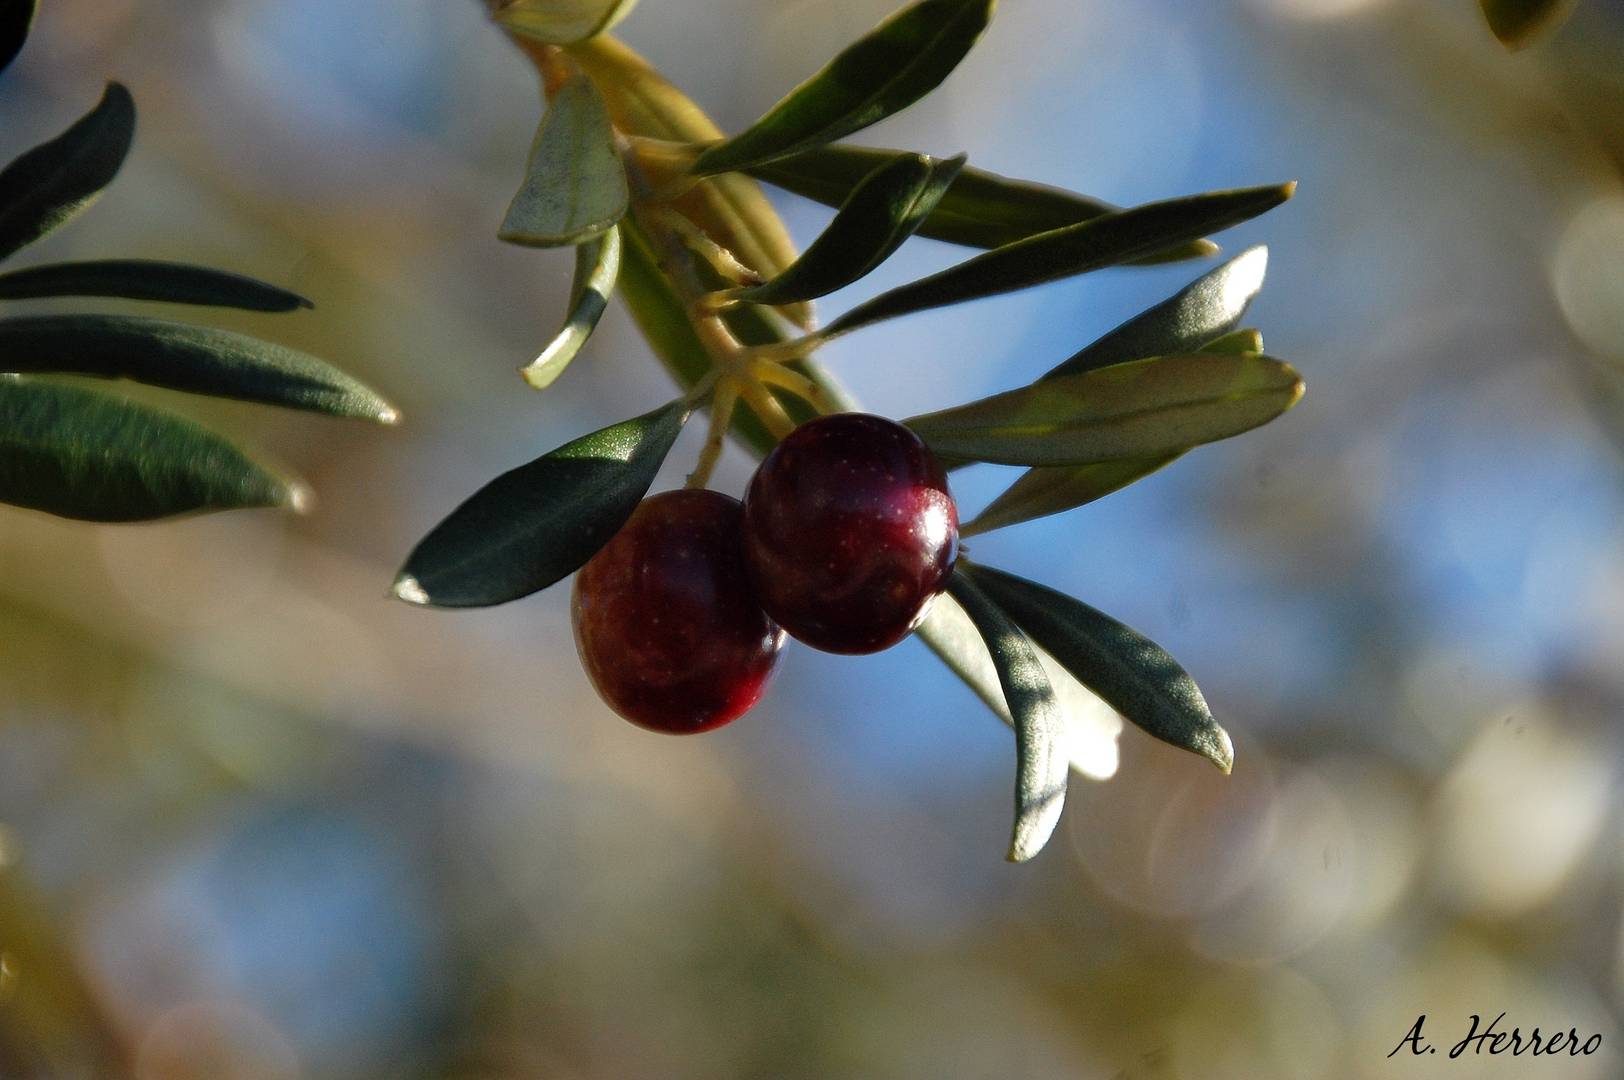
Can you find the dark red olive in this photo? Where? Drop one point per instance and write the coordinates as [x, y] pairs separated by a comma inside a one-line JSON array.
[[665, 621], [849, 532]]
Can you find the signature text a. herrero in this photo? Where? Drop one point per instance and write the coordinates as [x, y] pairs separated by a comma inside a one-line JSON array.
[[1492, 1038]]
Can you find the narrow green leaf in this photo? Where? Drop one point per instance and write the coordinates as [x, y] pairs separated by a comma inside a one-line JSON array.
[[597, 264], [15, 21], [1141, 408], [575, 185], [81, 454], [180, 356], [980, 209], [1052, 489], [888, 69], [1517, 23], [1209, 307], [1075, 249], [1042, 766], [1091, 726], [562, 22], [51, 183], [1133, 674], [539, 523], [883, 211], [147, 279], [659, 313]]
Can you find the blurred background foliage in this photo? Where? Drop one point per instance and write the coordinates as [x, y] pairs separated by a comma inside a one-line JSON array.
[[257, 821]]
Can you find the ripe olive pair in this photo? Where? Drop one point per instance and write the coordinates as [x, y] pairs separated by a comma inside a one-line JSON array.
[[846, 534]]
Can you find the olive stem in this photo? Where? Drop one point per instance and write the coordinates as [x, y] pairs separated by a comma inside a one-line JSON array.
[[721, 415], [802, 387], [723, 261]]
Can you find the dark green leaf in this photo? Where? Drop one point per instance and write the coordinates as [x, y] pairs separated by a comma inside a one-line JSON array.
[[562, 22], [82, 454], [146, 279], [883, 211], [1103, 241], [660, 314], [54, 181], [15, 21], [980, 209], [1210, 306], [1051, 489], [888, 69], [575, 185], [1518, 22], [1139, 409], [196, 359], [541, 522], [597, 264], [1133, 674], [1042, 766], [1091, 726]]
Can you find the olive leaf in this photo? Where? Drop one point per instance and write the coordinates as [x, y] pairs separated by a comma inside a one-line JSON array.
[[574, 186], [562, 22], [539, 523], [980, 209], [1517, 23], [147, 279], [51, 183], [597, 265], [81, 454], [1210, 306], [1206, 307], [731, 209], [1051, 489], [1075, 249], [883, 210], [180, 356], [1042, 766], [885, 71], [1091, 727], [1141, 408], [15, 22], [1131, 673]]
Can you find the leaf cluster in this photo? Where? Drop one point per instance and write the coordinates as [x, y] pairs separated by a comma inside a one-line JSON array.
[[83, 453], [657, 203]]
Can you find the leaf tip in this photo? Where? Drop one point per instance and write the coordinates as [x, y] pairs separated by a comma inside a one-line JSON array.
[[406, 588], [387, 414], [1222, 751], [1035, 823], [298, 497], [1029, 839], [1288, 189]]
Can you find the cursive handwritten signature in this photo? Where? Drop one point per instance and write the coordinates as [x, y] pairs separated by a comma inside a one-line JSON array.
[[1491, 1039]]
